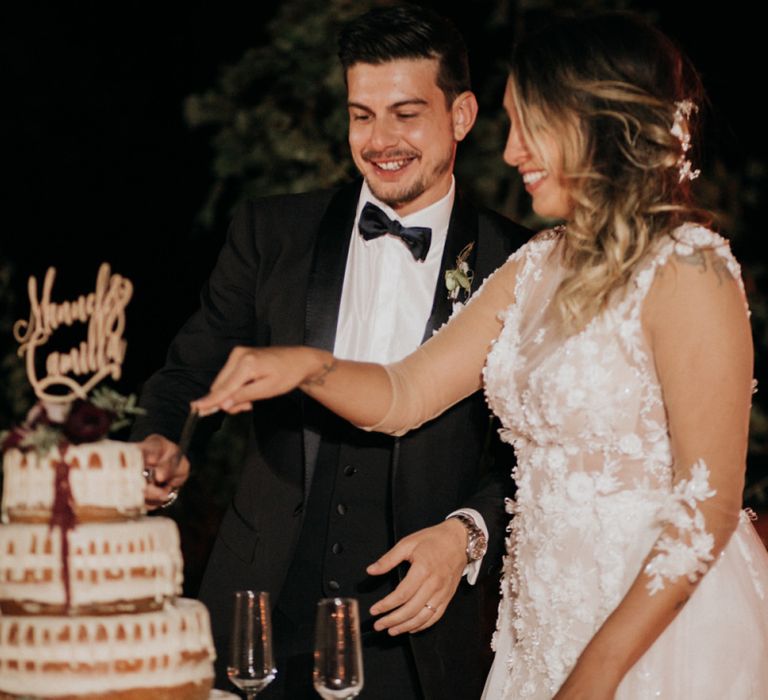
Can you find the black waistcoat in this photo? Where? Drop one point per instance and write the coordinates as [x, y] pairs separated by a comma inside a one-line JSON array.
[[347, 526]]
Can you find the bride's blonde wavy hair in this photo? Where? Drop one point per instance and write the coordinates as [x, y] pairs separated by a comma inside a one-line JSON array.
[[606, 90]]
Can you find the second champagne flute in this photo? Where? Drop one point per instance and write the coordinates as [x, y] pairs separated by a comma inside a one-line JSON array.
[[338, 670]]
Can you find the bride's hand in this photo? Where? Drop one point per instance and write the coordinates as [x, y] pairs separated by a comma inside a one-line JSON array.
[[251, 374]]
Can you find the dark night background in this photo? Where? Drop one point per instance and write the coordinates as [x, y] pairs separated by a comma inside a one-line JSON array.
[[101, 165]]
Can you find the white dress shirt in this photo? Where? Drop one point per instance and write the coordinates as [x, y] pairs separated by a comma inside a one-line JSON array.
[[387, 295]]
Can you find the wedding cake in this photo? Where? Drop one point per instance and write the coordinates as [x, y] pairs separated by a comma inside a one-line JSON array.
[[88, 582]]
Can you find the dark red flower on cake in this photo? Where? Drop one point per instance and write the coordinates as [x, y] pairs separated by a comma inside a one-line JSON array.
[[12, 439], [86, 422]]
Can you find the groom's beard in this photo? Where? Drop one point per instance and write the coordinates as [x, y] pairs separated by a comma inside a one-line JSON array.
[[396, 194]]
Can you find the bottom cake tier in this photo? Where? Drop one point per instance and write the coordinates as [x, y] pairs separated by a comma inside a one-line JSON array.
[[162, 655]]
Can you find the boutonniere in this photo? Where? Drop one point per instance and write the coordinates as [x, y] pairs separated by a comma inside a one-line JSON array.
[[458, 280]]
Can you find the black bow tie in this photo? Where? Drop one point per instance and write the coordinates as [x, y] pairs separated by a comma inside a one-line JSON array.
[[374, 223]]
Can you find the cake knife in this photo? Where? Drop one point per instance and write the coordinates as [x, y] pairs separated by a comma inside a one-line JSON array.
[[188, 431]]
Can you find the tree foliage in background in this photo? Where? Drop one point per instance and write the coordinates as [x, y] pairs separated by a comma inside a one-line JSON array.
[[15, 393], [278, 116]]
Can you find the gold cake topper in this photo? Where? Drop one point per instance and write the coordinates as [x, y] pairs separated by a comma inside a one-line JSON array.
[[102, 352]]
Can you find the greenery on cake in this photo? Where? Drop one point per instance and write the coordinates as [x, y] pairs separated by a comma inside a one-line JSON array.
[[49, 425]]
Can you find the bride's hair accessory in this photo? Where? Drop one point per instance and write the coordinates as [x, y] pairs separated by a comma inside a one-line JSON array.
[[680, 130]]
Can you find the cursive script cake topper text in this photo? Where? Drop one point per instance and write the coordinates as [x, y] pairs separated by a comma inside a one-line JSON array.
[[102, 352]]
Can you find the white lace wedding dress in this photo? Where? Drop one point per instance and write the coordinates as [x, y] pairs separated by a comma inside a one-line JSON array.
[[594, 480], [596, 488]]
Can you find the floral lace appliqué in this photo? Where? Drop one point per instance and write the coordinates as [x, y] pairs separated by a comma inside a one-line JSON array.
[[690, 552]]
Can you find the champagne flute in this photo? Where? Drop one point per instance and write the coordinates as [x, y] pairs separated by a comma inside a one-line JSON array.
[[252, 663], [338, 670]]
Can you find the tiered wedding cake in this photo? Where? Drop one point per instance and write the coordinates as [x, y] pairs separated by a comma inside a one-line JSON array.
[[88, 583]]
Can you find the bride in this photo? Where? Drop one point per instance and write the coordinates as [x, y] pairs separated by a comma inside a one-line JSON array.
[[617, 353]]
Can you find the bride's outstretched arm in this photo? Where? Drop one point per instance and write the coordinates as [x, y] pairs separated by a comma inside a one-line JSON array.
[[697, 325], [390, 399], [358, 391]]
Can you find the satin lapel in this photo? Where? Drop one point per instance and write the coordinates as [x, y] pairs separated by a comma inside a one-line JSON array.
[[326, 279], [462, 230]]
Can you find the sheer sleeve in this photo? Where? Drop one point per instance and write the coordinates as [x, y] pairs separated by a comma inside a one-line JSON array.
[[699, 327], [449, 366], [696, 321]]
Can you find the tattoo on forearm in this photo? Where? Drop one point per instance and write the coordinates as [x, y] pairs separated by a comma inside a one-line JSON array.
[[699, 259], [319, 378]]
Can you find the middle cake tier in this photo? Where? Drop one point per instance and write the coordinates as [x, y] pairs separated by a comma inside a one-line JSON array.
[[112, 567]]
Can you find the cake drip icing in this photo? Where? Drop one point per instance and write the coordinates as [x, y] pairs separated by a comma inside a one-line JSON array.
[[63, 517]]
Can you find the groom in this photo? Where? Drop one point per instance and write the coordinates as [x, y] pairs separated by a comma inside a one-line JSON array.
[[360, 271]]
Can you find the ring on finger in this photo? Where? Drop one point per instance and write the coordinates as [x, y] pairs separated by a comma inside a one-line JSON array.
[[149, 475], [433, 609], [172, 496]]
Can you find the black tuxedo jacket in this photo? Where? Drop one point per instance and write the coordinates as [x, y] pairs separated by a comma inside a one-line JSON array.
[[278, 281]]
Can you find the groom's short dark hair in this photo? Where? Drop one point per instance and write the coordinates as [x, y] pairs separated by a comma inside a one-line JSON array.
[[404, 32]]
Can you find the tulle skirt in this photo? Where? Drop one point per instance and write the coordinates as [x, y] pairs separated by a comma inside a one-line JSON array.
[[715, 649]]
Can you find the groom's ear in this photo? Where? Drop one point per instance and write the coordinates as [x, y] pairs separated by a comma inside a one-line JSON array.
[[463, 114]]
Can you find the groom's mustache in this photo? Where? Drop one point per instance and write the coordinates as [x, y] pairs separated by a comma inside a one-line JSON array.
[[391, 155]]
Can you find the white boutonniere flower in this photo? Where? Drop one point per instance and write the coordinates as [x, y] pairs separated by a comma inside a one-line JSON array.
[[458, 280]]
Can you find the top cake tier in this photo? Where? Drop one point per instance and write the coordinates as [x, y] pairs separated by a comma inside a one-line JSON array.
[[105, 478]]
